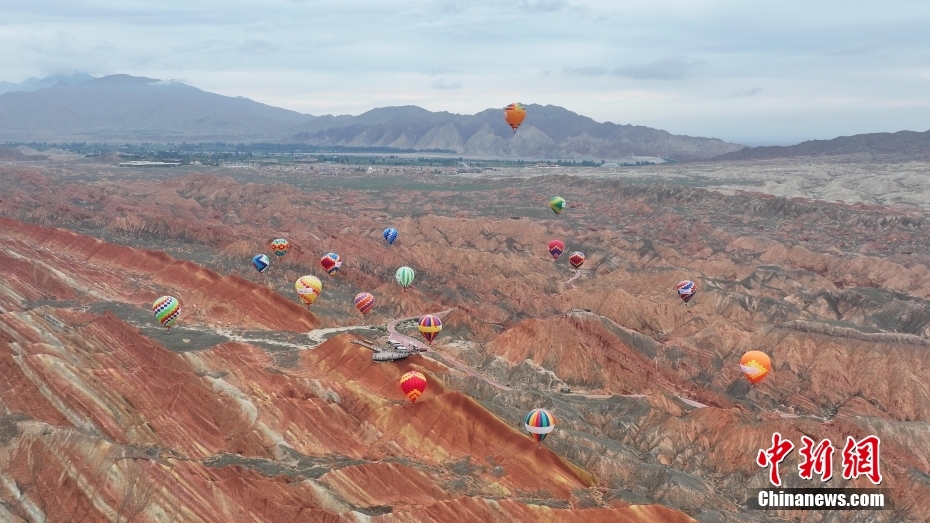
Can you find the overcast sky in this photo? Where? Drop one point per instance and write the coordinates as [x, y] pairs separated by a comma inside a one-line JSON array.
[[748, 71]]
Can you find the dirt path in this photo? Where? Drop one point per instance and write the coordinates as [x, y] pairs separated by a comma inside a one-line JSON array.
[[573, 278], [407, 340]]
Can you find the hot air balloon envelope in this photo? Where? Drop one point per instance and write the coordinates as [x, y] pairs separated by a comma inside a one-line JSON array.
[[404, 276], [331, 263], [308, 288], [557, 204], [364, 302], [686, 290], [429, 327], [166, 310], [279, 246], [390, 234], [514, 114], [576, 259], [555, 248], [755, 365], [413, 384], [261, 262], [539, 423]]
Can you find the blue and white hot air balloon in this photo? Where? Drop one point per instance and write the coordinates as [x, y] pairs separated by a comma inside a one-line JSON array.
[[261, 262], [390, 234]]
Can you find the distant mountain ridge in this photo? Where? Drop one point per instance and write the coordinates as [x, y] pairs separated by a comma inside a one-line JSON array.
[[34, 84], [548, 132], [127, 108], [902, 142]]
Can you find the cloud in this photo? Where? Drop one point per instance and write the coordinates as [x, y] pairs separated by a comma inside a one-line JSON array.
[[584, 71], [747, 93], [437, 71], [635, 62], [851, 50], [441, 84], [258, 46], [674, 68], [544, 6]]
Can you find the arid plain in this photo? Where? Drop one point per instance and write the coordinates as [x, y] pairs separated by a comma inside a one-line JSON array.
[[255, 409]]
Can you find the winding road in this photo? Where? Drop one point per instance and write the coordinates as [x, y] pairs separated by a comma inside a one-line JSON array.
[[407, 340], [573, 278], [393, 335]]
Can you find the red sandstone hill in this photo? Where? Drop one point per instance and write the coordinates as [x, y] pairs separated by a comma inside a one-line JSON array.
[[836, 294], [47, 262], [205, 436]]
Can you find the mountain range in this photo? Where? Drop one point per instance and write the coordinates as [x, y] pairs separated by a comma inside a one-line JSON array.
[[123, 108], [34, 84], [127, 108], [902, 142], [548, 132]]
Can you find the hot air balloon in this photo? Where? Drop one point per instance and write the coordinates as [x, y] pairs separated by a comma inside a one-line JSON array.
[[279, 246], [166, 310], [514, 114], [686, 290], [555, 248], [390, 234], [404, 276], [755, 365], [539, 423], [331, 263], [261, 262], [557, 204], [364, 302], [413, 384], [430, 326], [576, 259], [309, 289]]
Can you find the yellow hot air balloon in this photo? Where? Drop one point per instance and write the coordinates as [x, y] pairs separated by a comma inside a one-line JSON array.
[[514, 114], [309, 289]]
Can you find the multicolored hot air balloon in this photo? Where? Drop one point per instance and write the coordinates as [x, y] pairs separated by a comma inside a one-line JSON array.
[[557, 204], [413, 384], [755, 365], [686, 290], [539, 423], [514, 114], [309, 289], [261, 262], [364, 302], [390, 234], [279, 246], [404, 276], [331, 263], [430, 326], [166, 310], [555, 248], [576, 259]]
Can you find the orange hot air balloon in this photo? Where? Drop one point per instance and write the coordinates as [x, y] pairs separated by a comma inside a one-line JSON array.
[[755, 365], [413, 384], [514, 114]]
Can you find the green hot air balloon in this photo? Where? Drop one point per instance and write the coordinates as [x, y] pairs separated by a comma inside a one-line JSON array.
[[557, 204], [404, 276]]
